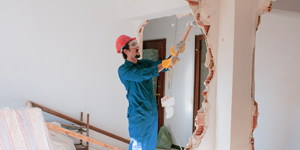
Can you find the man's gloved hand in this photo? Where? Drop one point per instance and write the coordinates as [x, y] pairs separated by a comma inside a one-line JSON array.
[[179, 46], [170, 62]]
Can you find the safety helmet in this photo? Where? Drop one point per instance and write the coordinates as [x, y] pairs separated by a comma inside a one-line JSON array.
[[121, 41]]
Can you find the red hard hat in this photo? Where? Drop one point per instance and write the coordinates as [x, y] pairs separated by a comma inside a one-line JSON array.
[[121, 41]]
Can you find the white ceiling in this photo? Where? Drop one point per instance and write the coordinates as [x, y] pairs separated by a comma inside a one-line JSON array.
[[289, 5]]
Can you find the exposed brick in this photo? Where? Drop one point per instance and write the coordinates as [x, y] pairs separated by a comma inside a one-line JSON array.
[[269, 8], [206, 29], [199, 130], [193, 3], [258, 22]]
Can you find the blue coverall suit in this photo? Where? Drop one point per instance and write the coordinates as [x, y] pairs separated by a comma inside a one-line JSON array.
[[142, 111]]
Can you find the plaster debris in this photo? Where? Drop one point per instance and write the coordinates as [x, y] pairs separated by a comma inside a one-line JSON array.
[[168, 103], [183, 15], [201, 123]]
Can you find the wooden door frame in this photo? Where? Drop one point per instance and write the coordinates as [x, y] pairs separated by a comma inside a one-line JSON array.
[[197, 77], [161, 89]]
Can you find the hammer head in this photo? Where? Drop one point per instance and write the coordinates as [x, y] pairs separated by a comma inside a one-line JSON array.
[[191, 23]]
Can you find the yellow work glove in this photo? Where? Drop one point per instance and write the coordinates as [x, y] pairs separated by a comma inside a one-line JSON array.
[[170, 62], [179, 46]]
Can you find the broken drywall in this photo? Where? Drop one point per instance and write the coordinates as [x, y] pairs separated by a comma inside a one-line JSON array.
[[265, 7], [183, 15], [202, 12]]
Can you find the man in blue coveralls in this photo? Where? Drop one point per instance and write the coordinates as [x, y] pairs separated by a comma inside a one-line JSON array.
[[136, 75]]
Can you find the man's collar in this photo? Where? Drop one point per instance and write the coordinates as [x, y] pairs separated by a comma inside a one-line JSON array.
[[131, 63]]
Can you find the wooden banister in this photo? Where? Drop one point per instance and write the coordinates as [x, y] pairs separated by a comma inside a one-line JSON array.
[[55, 113], [52, 127]]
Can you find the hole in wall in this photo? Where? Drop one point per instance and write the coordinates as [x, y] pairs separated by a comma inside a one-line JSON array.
[[201, 120], [181, 84]]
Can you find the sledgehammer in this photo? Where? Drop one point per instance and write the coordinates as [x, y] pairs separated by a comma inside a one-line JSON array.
[[189, 25], [172, 61]]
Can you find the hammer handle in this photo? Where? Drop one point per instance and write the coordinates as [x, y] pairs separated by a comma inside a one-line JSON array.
[[184, 37], [186, 33], [177, 53]]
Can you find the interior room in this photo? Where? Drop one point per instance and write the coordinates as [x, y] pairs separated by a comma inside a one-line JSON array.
[[235, 86]]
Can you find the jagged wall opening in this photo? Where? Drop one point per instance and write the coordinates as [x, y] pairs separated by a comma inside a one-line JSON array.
[[198, 7], [183, 73], [202, 12]]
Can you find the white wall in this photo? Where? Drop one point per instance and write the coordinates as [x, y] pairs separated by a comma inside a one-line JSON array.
[[62, 54], [144, 10], [183, 73], [277, 81]]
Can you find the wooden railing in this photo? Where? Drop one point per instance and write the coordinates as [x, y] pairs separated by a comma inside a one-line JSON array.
[[55, 128], [55, 113]]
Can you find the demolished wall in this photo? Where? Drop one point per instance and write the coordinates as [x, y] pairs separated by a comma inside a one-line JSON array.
[[27, 68], [172, 29], [203, 12], [208, 15]]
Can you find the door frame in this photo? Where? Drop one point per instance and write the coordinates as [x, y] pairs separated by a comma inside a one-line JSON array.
[[197, 77], [159, 44]]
